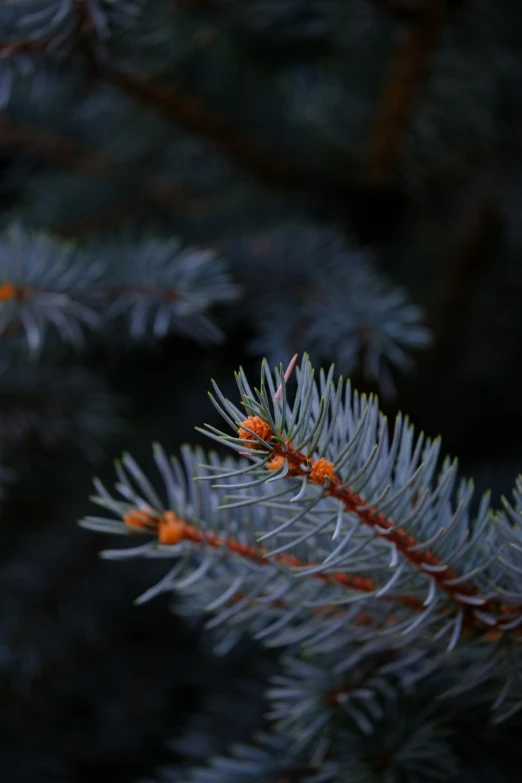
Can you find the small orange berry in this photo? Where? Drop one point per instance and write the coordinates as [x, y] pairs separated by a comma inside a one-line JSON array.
[[171, 529], [257, 425], [7, 291], [276, 463], [321, 469]]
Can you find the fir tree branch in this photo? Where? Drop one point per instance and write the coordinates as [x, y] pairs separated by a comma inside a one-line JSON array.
[[171, 530], [331, 299], [322, 471], [319, 471], [150, 286], [275, 430], [207, 541], [401, 95]]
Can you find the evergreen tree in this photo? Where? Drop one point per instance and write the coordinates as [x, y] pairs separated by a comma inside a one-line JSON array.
[[190, 185]]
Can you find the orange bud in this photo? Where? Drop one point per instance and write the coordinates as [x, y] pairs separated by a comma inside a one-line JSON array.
[[257, 425], [276, 463], [7, 291], [321, 469], [140, 518], [171, 529]]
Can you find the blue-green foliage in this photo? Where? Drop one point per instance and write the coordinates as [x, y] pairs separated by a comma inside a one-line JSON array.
[[329, 299], [425, 640], [250, 129], [154, 287]]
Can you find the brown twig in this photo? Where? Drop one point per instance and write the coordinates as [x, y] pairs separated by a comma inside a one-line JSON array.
[[402, 92], [197, 119], [171, 530], [28, 46]]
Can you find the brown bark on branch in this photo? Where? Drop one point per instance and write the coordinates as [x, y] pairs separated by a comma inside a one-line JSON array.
[[401, 95], [197, 119]]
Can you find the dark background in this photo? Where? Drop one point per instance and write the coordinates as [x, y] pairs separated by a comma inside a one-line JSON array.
[[394, 123]]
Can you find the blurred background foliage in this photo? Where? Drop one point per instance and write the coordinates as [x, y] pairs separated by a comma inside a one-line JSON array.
[[185, 186]]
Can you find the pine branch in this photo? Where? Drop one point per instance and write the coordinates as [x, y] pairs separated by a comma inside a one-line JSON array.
[[214, 568], [169, 528], [397, 500], [444, 567], [38, 277], [151, 287], [171, 531], [362, 502], [409, 71], [321, 472], [327, 294]]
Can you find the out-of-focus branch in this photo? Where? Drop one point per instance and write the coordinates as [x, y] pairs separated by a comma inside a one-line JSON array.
[[94, 164], [401, 94], [196, 118]]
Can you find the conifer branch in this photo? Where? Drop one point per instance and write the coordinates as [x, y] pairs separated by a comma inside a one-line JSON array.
[[277, 431], [166, 528], [321, 472], [370, 526], [401, 95], [153, 287], [332, 299], [171, 531]]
